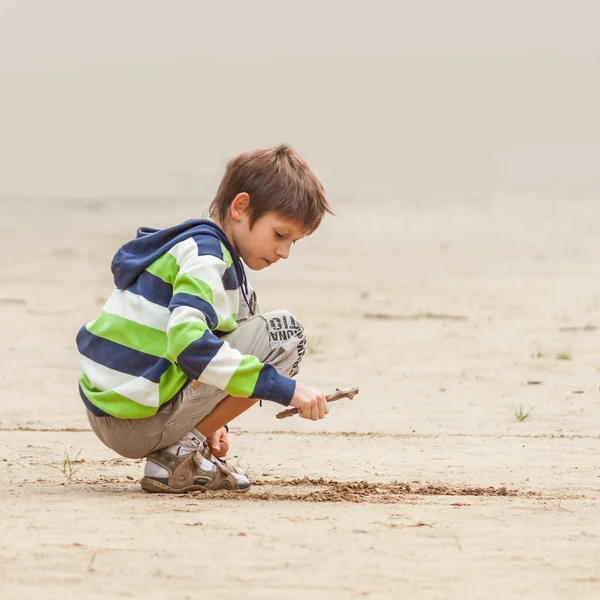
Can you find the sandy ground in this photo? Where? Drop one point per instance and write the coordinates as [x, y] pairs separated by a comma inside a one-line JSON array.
[[448, 317]]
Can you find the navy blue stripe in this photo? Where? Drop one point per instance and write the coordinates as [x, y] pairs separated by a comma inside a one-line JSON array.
[[152, 288], [194, 359], [230, 279], [208, 245], [272, 385], [199, 304], [120, 358]]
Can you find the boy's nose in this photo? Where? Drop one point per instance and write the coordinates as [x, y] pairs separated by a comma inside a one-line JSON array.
[[283, 251]]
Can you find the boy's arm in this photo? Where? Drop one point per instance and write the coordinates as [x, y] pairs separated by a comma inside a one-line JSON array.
[[199, 304]]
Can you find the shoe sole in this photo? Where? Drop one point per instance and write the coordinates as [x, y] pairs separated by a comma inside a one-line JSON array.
[[156, 487]]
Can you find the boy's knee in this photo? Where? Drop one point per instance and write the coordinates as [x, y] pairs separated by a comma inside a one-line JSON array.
[[283, 327], [275, 337], [286, 335]]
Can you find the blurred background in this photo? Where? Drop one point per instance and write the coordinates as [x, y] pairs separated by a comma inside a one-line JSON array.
[[459, 144], [386, 99]]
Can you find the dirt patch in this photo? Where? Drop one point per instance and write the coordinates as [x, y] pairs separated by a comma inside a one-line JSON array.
[[313, 490], [15, 301], [321, 490]]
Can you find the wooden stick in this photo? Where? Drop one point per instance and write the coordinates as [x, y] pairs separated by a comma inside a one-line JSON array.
[[337, 395]]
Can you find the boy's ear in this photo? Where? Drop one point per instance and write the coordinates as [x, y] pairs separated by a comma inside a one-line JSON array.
[[239, 206]]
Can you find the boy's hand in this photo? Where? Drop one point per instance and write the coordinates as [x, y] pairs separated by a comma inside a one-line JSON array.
[[218, 443], [311, 403]]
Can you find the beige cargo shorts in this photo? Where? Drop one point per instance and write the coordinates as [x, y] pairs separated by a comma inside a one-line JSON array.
[[275, 337]]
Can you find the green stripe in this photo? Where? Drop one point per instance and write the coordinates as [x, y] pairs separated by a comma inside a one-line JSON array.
[[114, 404], [227, 325], [171, 381], [165, 267], [186, 284], [226, 256], [130, 334], [182, 335], [244, 379]]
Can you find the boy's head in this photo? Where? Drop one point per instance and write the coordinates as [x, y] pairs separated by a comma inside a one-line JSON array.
[[267, 200]]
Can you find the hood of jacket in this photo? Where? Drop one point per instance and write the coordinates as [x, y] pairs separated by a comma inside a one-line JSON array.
[[150, 244]]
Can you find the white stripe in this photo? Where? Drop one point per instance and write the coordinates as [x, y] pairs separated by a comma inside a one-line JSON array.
[[140, 390], [102, 377], [222, 367], [138, 309], [210, 270], [185, 314], [185, 251]]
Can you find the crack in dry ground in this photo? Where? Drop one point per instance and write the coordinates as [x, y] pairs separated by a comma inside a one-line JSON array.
[[351, 434], [414, 317], [377, 434]]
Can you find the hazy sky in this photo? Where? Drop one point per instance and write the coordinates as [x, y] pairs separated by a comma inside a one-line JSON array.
[[140, 96], [65, 32]]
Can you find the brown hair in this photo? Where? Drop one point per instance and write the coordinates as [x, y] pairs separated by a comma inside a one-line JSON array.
[[276, 179]]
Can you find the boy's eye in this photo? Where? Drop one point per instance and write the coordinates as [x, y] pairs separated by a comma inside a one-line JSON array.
[[278, 235]]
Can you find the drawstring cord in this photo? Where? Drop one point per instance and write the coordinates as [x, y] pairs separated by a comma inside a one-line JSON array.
[[241, 273], [239, 267]]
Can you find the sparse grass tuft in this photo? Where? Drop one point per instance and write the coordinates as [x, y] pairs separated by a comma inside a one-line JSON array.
[[563, 356], [521, 414], [68, 468]]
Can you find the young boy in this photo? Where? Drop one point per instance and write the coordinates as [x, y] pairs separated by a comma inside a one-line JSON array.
[[180, 348]]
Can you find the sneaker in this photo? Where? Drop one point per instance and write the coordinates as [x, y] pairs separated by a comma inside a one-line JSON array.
[[170, 474]]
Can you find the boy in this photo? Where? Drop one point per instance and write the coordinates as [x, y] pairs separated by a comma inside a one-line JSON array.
[[180, 347]]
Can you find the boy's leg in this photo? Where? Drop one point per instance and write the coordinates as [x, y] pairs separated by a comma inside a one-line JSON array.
[[225, 412], [275, 338], [283, 347]]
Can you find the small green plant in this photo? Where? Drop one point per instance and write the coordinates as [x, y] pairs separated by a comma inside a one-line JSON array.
[[521, 414], [563, 356], [68, 468]]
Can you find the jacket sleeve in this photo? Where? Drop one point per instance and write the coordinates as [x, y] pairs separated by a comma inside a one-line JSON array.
[[201, 304]]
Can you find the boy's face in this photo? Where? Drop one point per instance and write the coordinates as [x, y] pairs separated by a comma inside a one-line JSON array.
[[270, 238]]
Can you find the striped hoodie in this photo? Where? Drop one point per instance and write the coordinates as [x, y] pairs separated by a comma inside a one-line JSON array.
[[177, 289]]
